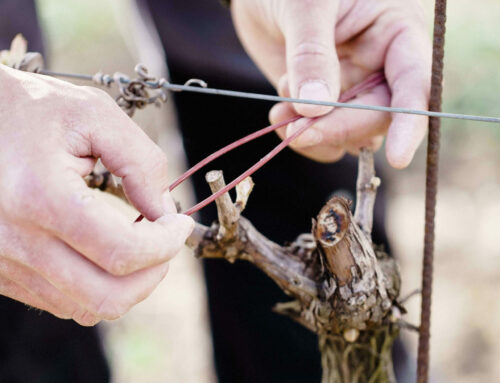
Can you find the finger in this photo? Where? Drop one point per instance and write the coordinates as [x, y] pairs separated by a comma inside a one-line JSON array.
[[359, 128], [343, 125], [408, 74], [48, 297], [12, 290], [330, 153], [281, 112], [262, 40], [312, 63], [102, 232], [308, 138], [129, 153], [169, 203], [321, 153], [105, 296], [283, 87]]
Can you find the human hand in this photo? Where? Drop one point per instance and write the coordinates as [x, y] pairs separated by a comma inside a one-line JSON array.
[[62, 248], [316, 49]]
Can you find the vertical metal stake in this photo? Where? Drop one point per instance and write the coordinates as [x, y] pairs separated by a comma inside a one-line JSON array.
[[431, 189]]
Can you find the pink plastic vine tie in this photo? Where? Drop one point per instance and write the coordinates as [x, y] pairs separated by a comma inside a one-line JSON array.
[[369, 83]]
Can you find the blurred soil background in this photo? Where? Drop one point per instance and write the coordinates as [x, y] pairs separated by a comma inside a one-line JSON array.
[[166, 338]]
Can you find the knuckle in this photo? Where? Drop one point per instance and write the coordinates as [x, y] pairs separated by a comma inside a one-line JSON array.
[[310, 48]]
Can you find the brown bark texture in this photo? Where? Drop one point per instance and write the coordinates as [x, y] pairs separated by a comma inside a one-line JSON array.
[[343, 288]]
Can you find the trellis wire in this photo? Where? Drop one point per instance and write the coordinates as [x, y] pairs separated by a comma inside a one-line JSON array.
[[432, 154], [267, 97], [366, 85]]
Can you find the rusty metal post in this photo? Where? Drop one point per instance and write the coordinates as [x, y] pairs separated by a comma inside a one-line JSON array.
[[431, 189]]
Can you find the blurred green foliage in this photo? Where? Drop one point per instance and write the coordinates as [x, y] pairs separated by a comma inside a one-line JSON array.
[[75, 22], [472, 63]]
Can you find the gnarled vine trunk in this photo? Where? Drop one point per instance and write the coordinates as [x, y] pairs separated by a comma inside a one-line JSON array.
[[343, 288]]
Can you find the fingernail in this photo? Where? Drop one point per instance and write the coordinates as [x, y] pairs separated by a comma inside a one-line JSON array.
[[168, 203], [314, 90], [310, 137]]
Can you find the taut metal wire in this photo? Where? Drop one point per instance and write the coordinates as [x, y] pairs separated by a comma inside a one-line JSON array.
[[188, 87]]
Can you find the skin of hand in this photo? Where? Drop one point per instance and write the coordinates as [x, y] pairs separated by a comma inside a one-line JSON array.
[[315, 49], [62, 248]]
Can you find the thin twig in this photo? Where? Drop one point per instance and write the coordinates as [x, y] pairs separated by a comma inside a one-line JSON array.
[[367, 185], [228, 214]]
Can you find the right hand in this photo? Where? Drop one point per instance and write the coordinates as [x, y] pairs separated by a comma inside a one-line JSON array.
[[316, 48], [62, 248]]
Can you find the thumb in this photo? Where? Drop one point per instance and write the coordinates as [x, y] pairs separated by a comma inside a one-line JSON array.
[[312, 64]]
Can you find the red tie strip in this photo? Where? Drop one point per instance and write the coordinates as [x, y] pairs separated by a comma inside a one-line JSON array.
[[369, 83]]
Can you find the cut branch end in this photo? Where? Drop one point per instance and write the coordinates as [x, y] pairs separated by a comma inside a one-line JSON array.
[[228, 214], [366, 188]]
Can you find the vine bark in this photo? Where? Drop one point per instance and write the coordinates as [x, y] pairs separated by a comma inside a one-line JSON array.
[[344, 288]]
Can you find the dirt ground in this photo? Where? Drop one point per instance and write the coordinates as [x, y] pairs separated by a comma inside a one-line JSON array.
[[166, 338]]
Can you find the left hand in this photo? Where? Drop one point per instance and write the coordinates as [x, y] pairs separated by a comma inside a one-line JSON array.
[[316, 49]]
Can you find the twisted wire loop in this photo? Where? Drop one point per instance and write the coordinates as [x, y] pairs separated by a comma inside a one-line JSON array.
[[431, 189], [191, 82], [135, 93], [34, 63]]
